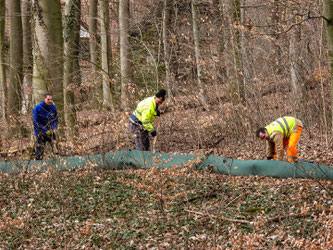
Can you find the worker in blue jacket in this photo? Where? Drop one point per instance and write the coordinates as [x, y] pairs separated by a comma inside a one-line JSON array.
[[45, 121]]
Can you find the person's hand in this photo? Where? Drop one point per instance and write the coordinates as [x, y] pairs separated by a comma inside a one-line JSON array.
[[153, 133], [269, 157], [49, 132]]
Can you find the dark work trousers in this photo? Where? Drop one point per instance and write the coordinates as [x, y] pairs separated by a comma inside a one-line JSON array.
[[40, 144], [141, 137]]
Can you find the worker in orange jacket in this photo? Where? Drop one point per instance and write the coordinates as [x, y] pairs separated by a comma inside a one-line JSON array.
[[281, 134]]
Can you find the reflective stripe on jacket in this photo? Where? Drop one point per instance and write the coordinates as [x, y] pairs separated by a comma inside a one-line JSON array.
[[283, 125], [146, 112]]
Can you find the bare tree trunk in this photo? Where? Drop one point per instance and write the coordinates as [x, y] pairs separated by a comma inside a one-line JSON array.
[[106, 53], [48, 53], [27, 55], [237, 88], [296, 72], [72, 75], [202, 90], [3, 81], [16, 57], [124, 51], [92, 20], [94, 50], [328, 13], [125, 64], [166, 25], [222, 26], [275, 17], [245, 67]]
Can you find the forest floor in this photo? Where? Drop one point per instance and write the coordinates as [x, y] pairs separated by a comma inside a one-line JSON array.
[[172, 208]]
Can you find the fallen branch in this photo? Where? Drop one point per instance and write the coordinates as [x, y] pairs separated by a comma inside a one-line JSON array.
[[279, 218], [211, 195], [220, 217], [300, 215]]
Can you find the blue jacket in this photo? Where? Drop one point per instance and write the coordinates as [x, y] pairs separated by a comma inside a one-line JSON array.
[[45, 118]]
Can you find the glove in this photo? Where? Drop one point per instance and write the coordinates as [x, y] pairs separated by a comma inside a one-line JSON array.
[[153, 133], [49, 132], [269, 157], [158, 113]]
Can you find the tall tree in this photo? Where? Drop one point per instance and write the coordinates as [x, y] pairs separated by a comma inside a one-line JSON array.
[[196, 37], [106, 53], [328, 14], [16, 57], [296, 62], [72, 74], [166, 26], [27, 53], [3, 81], [238, 87], [48, 52], [94, 48], [222, 27], [124, 51], [93, 45], [276, 48]]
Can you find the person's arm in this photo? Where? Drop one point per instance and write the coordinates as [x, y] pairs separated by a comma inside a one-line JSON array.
[[55, 121], [36, 120], [278, 141], [269, 149]]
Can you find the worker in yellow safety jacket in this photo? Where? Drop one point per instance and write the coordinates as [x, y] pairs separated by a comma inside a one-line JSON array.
[[141, 120], [281, 134]]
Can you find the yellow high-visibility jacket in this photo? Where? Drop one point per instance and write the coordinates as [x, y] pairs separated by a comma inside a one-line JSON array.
[[278, 131], [146, 112]]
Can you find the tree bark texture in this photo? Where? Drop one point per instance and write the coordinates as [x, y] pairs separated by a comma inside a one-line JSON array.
[[276, 48], [296, 73], [106, 53], [48, 53], [27, 54], [3, 81], [16, 57], [94, 49], [328, 14], [166, 26], [237, 88], [72, 75], [198, 60], [124, 51], [92, 21]]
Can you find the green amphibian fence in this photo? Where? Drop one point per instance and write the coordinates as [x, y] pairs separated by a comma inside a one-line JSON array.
[[140, 159]]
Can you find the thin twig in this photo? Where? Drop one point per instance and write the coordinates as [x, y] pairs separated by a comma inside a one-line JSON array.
[[300, 215], [205, 196], [219, 217]]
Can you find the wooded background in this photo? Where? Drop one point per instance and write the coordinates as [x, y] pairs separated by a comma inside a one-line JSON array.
[[102, 54]]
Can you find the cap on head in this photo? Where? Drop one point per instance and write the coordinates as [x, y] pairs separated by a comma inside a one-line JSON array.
[[161, 94]]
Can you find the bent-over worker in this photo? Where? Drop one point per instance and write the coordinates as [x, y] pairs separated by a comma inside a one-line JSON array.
[[281, 134], [45, 120], [141, 120]]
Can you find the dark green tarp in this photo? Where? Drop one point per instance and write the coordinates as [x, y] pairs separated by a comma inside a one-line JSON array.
[[140, 159]]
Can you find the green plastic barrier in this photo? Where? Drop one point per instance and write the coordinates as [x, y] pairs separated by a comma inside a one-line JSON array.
[[277, 169], [146, 159], [115, 160]]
